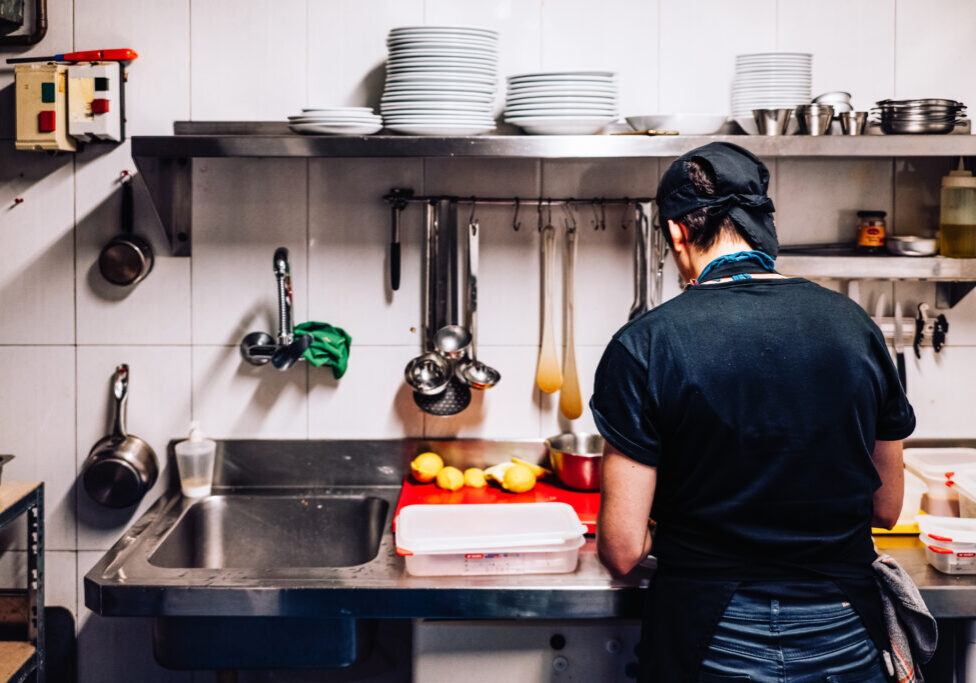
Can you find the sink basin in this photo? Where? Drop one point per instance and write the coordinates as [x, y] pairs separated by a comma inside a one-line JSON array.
[[264, 532]]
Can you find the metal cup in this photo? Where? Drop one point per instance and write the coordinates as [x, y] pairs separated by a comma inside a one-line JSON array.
[[814, 119], [853, 122], [772, 121]]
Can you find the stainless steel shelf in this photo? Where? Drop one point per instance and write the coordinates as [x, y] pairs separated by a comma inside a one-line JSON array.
[[273, 139], [931, 268], [165, 162]]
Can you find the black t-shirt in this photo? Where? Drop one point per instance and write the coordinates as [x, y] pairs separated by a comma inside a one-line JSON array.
[[759, 402]]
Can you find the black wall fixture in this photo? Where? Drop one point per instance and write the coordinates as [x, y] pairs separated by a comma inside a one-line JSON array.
[[12, 17]]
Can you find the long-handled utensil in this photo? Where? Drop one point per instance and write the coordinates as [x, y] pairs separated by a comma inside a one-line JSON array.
[[570, 397], [548, 376], [429, 372], [473, 372], [641, 256]]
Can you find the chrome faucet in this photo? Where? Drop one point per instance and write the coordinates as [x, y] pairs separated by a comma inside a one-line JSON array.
[[258, 348]]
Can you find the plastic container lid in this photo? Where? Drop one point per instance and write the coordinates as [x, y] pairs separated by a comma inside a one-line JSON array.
[[444, 529], [966, 482], [948, 529], [939, 463]]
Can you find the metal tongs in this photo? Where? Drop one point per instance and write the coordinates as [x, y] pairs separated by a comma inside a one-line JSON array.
[[649, 248]]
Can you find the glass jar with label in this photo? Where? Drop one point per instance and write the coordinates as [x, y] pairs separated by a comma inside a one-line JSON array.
[[871, 231]]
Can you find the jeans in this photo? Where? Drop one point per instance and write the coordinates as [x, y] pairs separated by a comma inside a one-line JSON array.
[[793, 641]]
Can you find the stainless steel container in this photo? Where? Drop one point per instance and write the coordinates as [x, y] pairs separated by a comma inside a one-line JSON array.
[[853, 122], [576, 459], [772, 121], [814, 119]]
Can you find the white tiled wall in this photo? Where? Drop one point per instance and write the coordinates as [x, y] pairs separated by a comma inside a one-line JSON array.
[[62, 330]]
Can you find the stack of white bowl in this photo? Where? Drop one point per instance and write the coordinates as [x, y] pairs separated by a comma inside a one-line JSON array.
[[440, 80], [562, 102], [336, 121], [769, 80]]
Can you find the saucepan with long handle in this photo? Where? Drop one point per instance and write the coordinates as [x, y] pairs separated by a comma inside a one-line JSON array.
[[121, 467]]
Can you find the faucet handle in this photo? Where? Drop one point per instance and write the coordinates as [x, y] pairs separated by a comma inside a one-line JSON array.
[[281, 268]]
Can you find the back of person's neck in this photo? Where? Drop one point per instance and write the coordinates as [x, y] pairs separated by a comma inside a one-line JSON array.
[[722, 247]]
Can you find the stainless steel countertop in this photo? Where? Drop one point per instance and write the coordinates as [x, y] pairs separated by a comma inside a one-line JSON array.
[[125, 583]]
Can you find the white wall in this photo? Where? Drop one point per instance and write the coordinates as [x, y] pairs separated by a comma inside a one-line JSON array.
[[62, 331]]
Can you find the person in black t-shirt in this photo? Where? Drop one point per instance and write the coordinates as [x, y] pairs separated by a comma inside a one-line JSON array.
[[759, 420]]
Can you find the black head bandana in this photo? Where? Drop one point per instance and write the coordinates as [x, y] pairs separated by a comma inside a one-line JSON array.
[[741, 180]]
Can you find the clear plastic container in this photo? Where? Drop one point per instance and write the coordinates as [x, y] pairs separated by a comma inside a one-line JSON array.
[[505, 538], [957, 214], [915, 488], [950, 543], [195, 463], [937, 467], [965, 486]]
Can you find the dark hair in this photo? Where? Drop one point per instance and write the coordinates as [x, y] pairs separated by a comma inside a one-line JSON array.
[[703, 229]]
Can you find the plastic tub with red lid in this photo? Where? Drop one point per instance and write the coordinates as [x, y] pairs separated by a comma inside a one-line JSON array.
[[950, 543]]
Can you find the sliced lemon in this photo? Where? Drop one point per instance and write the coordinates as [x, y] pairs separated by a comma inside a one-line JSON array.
[[497, 472], [537, 470]]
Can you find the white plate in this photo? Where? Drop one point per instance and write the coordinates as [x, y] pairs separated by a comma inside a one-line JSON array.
[[421, 56], [453, 67], [560, 111], [335, 129], [335, 119], [437, 106], [331, 109], [439, 129], [563, 74], [394, 98], [461, 30], [424, 43], [442, 51], [566, 86], [434, 117], [560, 100], [445, 79], [561, 126]]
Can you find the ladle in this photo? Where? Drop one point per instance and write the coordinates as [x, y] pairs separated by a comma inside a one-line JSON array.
[[428, 373], [473, 372]]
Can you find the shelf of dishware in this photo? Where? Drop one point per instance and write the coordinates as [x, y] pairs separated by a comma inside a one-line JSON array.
[[931, 268], [273, 139]]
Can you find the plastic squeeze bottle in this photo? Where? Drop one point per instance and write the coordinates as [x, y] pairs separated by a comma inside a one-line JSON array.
[[195, 463]]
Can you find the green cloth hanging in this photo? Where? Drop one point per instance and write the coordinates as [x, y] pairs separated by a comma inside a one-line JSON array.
[[330, 346]]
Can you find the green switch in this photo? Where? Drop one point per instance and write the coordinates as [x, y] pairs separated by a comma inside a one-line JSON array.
[[101, 83], [47, 92]]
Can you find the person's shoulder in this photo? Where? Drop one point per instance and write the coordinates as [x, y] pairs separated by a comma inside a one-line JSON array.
[[647, 324]]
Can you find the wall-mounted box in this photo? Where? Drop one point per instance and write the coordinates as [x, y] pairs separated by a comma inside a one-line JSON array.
[[41, 93], [95, 105]]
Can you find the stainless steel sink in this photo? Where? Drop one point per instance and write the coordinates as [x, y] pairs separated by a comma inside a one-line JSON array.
[[260, 532]]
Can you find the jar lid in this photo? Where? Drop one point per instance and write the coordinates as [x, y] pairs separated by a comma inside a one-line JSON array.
[[959, 177], [872, 214]]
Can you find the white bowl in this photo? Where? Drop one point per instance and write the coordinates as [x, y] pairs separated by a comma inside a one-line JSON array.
[[686, 124]]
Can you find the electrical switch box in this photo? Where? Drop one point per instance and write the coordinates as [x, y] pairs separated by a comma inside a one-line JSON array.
[[41, 94], [95, 108]]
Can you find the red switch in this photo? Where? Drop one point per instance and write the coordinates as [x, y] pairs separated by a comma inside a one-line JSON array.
[[46, 122], [99, 106]]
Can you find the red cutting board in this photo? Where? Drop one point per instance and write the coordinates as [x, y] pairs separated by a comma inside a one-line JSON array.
[[586, 503]]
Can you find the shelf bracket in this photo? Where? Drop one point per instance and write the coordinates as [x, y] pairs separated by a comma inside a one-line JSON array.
[[948, 294], [170, 184]]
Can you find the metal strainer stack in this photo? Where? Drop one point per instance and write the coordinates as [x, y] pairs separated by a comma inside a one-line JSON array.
[[927, 116]]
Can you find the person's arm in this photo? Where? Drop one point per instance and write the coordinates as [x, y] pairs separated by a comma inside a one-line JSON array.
[[887, 458], [627, 490]]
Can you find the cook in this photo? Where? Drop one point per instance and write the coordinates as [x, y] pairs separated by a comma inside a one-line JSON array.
[[758, 420]]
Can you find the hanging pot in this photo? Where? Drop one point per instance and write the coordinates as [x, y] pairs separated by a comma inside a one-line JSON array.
[[127, 259], [120, 468]]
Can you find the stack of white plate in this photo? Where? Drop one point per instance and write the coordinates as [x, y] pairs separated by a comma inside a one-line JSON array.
[[769, 80], [336, 121], [440, 80], [562, 102]]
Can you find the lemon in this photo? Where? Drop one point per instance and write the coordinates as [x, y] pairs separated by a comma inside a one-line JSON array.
[[497, 472], [450, 478], [474, 477], [518, 479], [537, 470], [426, 466]]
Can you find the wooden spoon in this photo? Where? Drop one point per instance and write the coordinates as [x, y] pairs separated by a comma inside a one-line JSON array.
[[547, 375], [570, 398]]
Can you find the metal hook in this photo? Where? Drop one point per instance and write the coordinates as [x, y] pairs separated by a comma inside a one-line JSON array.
[[474, 204], [603, 214], [549, 212], [515, 221], [538, 208], [596, 216], [570, 219], [624, 220]]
